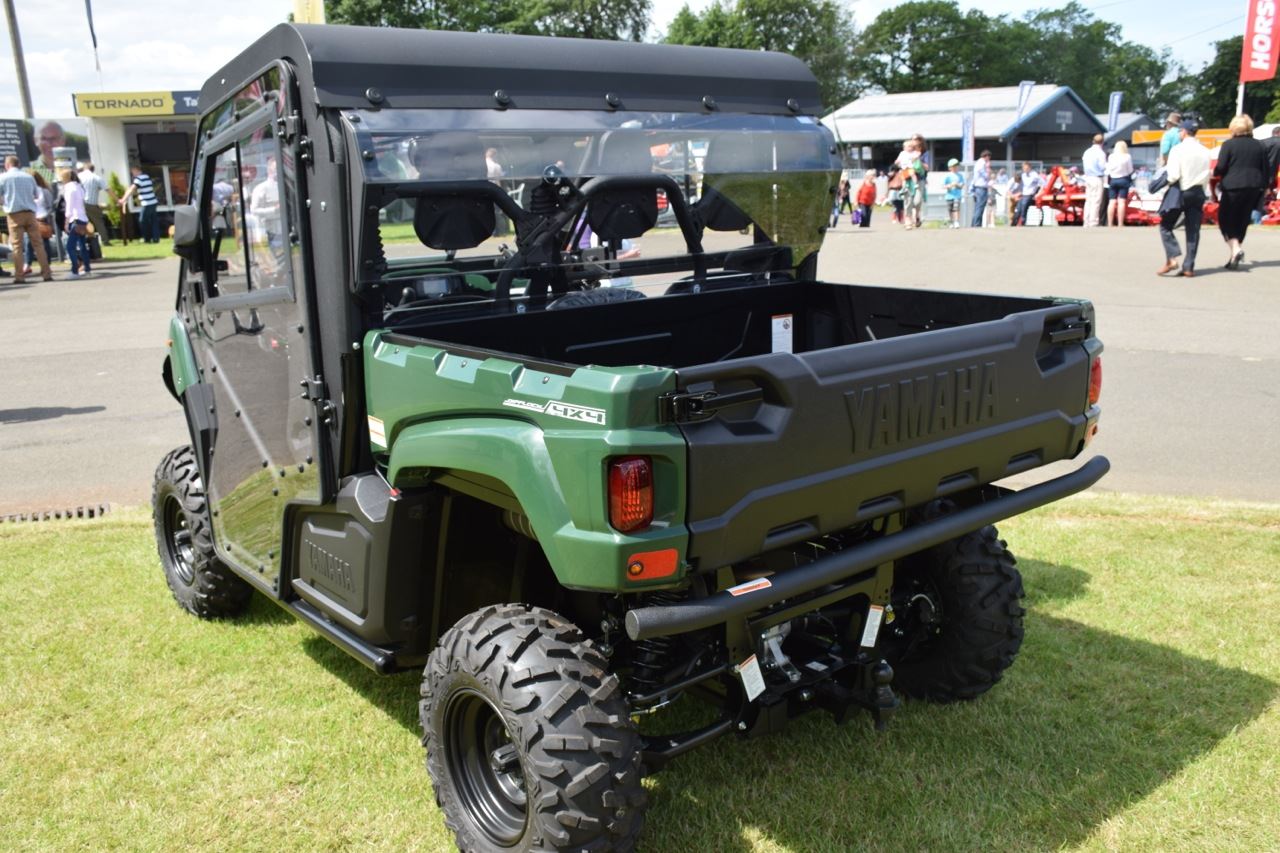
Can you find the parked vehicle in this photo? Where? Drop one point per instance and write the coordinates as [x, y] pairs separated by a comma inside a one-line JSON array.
[[568, 503]]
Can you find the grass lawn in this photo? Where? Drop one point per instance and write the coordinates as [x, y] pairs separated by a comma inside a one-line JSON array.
[[1141, 715]]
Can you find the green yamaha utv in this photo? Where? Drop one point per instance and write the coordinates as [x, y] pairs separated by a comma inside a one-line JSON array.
[[504, 360]]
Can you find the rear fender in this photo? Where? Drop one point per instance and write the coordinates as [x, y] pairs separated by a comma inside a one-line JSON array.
[[558, 479]]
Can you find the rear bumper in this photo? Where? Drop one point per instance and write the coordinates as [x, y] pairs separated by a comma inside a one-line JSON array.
[[645, 622]]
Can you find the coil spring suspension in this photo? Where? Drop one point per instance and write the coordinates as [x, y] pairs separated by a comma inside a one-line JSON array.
[[652, 659]]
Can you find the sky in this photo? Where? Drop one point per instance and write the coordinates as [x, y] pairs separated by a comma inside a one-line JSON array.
[[150, 45]]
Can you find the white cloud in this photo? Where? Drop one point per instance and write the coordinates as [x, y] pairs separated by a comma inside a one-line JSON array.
[[144, 45]]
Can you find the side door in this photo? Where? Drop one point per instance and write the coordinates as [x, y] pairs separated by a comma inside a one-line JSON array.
[[252, 343]]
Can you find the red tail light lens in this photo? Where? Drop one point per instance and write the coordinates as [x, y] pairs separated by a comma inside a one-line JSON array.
[[1095, 381], [630, 493]]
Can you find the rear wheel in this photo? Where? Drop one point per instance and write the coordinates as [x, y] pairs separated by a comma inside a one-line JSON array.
[[199, 582], [957, 618], [529, 743]]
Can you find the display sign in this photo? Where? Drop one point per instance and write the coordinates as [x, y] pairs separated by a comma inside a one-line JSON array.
[[966, 136], [13, 140], [1261, 50], [132, 104]]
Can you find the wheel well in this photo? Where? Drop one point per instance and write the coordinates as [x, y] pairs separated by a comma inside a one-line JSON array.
[[487, 554]]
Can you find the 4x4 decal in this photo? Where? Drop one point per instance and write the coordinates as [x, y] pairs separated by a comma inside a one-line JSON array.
[[582, 414]]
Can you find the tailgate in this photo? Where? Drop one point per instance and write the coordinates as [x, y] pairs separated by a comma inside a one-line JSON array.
[[787, 447]]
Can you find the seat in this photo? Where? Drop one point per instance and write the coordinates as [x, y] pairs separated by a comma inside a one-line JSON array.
[[624, 214], [451, 220]]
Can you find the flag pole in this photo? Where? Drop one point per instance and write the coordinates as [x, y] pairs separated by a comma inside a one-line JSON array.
[[1240, 100], [19, 63]]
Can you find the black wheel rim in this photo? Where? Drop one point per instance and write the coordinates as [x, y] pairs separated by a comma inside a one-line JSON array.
[[484, 766], [177, 536]]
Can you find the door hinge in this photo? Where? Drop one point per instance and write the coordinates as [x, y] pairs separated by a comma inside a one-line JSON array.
[[314, 389], [679, 407], [287, 127]]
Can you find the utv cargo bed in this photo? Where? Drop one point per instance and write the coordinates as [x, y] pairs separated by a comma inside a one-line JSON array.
[[810, 407]]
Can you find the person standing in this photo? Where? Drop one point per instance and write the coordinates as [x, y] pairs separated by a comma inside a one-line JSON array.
[[911, 198], [1172, 136], [1095, 170], [1032, 183], [1119, 182], [1242, 178], [93, 187], [953, 192], [45, 221], [77, 222], [1188, 171], [867, 197], [981, 188], [843, 202], [148, 224], [18, 194]]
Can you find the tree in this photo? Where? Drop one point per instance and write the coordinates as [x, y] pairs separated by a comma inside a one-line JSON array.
[[599, 19], [930, 45], [1212, 90], [819, 32]]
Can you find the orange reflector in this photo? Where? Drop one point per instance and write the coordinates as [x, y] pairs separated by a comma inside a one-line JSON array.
[[630, 493], [1095, 381], [650, 565]]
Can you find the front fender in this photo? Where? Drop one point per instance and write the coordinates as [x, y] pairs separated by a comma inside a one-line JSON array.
[[180, 371], [559, 481]]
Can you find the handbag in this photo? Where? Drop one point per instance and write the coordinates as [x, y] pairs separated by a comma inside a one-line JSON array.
[[46, 230], [80, 229]]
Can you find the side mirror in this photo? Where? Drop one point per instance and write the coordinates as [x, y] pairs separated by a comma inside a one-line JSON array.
[[186, 232]]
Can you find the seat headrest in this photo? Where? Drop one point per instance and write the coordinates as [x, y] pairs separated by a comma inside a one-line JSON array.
[[624, 214], [448, 221]]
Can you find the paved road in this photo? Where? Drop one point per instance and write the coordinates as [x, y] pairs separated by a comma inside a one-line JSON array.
[[1192, 369]]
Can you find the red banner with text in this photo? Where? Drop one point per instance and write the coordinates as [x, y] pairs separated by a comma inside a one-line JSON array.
[[1261, 45]]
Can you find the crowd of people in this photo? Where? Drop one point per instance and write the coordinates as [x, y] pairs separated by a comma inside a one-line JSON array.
[[44, 203], [1240, 180]]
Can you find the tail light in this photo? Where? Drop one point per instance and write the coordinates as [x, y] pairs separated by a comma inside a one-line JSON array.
[[630, 493], [1095, 381]]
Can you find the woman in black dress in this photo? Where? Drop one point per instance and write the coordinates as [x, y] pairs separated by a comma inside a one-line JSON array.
[[1241, 172]]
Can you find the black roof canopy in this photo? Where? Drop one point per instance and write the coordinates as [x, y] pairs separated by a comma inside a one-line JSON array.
[[422, 68]]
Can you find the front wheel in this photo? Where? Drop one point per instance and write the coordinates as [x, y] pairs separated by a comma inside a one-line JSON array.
[[957, 618], [529, 742], [200, 583]]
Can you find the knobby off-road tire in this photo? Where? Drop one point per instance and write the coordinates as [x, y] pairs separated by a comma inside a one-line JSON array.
[[200, 583], [529, 742], [974, 594]]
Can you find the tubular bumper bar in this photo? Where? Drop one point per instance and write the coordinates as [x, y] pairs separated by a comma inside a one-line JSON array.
[[645, 622]]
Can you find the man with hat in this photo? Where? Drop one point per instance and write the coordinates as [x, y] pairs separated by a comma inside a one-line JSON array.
[[1188, 171]]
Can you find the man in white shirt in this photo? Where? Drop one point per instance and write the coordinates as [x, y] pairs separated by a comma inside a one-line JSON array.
[[1188, 170], [93, 187], [1095, 170]]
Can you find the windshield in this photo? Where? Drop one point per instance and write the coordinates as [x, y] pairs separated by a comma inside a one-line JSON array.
[[739, 182]]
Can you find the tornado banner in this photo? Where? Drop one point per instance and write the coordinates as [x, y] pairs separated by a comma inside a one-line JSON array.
[[1261, 45]]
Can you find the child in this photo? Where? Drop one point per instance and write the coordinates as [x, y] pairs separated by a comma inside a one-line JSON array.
[[867, 197], [953, 183]]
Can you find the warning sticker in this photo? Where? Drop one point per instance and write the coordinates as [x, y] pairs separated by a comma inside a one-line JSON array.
[[377, 432], [752, 677], [749, 586], [782, 327], [875, 614]]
